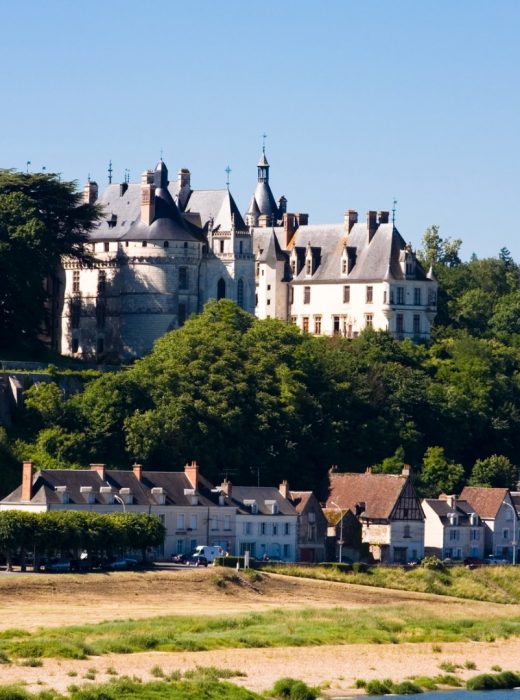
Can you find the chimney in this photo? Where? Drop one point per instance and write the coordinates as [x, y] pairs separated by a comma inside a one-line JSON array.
[[290, 226], [349, 219], [192, 472], [100, 469], [302, 219], [184, 178], [27, 481], [371, 224], [368, 470], [90, 192], [284, 489], [226, 488], [138, 471], [147, 197], [382, 217], [282, 205], [264, 220], [406, 470], [123, 188]]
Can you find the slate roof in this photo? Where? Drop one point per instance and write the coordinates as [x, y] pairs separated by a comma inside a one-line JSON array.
[[442, 509], [378, 492], [264, 200], [260, 494], [173, 483], [485, 501], [272, 251]]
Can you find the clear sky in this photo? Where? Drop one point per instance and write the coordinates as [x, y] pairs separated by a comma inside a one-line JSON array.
[[361, 100]]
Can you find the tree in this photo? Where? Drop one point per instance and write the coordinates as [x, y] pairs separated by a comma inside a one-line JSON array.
[[494, 471], [437, 250], [439, 474], [393, 464], [41, 219]]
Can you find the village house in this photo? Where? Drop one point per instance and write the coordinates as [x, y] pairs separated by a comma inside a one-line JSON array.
[[387, 506], [498, 513], [452, 529], [312, 524], [191, 511]]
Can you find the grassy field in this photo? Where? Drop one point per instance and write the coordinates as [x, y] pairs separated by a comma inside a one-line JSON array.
[[496, 584]]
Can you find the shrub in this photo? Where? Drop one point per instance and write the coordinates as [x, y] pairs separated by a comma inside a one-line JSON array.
[[406, 688], [292, 689], [488, 681], [376, 687], [157, 672], [32, 662], [433, 564], [359, 567], [13, 692]]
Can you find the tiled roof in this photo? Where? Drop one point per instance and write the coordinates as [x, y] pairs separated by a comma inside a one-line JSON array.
[[378, 492], [260, 494], [300, 499], [442, 508], [485, 501]]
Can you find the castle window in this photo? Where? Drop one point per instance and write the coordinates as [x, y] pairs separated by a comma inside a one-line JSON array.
[[241, 247], [417, 296], [75, 313], [75, 281], [317, 325], [344, 267], [308, 267], [346, 294], [369, 295], [183, 278], [75, 345], [369, 320], [400, 295], [399, 323], [106, 246], [100, 314], [102, 282], [416, 324], [306, 295], [221, 246], [305, 324], [335, 325], [145, 243], [221, 288], [293, 267], [166, 244], [240, 293]]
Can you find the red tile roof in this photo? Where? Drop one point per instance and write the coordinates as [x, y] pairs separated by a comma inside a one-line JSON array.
[[485, 501], [379, 492]]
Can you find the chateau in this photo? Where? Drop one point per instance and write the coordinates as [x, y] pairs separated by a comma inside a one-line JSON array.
[[162, 250]]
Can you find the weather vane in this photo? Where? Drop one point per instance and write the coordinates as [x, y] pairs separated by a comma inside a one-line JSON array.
[[27, 165], [109, 172], [227, 171], [264, 136], [393, 212]]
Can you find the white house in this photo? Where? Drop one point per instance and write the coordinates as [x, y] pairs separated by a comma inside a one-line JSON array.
[[496, 509], [452, 529]]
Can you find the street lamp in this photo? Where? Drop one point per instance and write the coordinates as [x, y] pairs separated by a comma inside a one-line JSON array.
[[340, 530], [120, 500], [514, 529]]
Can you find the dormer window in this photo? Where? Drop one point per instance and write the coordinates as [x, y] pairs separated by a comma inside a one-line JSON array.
[[159, 495], [308, 266], [272, 507], [87, 493], [344, 264]]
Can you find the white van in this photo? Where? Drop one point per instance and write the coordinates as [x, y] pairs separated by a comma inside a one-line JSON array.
[[211, 553]]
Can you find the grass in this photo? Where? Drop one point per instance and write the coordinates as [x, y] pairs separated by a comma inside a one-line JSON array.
[[308, 627], [496, 584], [410, 686]]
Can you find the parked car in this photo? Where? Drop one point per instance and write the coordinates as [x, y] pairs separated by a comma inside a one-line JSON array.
[[197, 560], [123, 564], [472, 562], [179, 558], [495, 559], [58, 566]]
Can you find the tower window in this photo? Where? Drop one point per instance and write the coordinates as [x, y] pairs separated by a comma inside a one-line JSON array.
[[221, 246], [182, 314], [240, 247], [343, 267], [100, 314], [183, 278], [75, 345]]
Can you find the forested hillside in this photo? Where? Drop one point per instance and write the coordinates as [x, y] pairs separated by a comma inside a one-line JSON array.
[[257, 400]]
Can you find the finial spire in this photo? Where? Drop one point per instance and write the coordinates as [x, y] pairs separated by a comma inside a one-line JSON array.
[[127, 175], [393, 211], [264, 136], [109, 172], [161, 153], [227, 171]]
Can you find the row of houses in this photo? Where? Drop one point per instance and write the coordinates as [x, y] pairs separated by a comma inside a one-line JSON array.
[[379, 516]]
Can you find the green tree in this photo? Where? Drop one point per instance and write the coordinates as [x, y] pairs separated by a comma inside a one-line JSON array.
[[393, 464], [439, 251], [495, 470], [439, 474], [41, 219]]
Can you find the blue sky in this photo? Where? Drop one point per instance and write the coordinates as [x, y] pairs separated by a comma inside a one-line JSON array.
[[362, 101]]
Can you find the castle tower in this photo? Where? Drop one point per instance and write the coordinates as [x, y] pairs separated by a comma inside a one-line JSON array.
[[263, 210]]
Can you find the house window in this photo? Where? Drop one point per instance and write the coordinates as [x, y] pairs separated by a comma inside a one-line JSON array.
[[180, 546], [474, 535], [317, 325], [335, 325], [247, 547], [257, 269], [406, 532], [369, 320], [384, 296], [369, 294], [240, 293], [227, 522], [275, 529], [180, 521], [102, 282], [145, 243], [183, 278], [287, 529], [293, 267], [166, 244], [106, 246], [346, 294], [247, 528], [294, 320], [416, 324], [432, 297], [75, 281], [240, 247], [287, 551], [261, 529], [193, 522], [417, 296], [454, 535], [400, 295], [399, 323], [505, 533], [213, 523], [306, 295], [305, 324]]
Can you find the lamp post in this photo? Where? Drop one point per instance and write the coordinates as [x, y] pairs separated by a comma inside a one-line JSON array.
[[120, 500], [514, 529], [340, 530]]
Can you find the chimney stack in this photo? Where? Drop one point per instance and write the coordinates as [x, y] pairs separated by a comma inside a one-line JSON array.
[[192, 472], [382, 217], [100, 469], [289, 227], [90, 192], [406, 470], [27, 481], [284, 489], [282, 205], [349, 219], [371, 224], [368, 470], [226, 488], [147, 197], [138, 471], [184, 178], [302, 219]]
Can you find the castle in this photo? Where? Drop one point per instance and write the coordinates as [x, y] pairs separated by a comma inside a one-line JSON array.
[[162, 250]]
